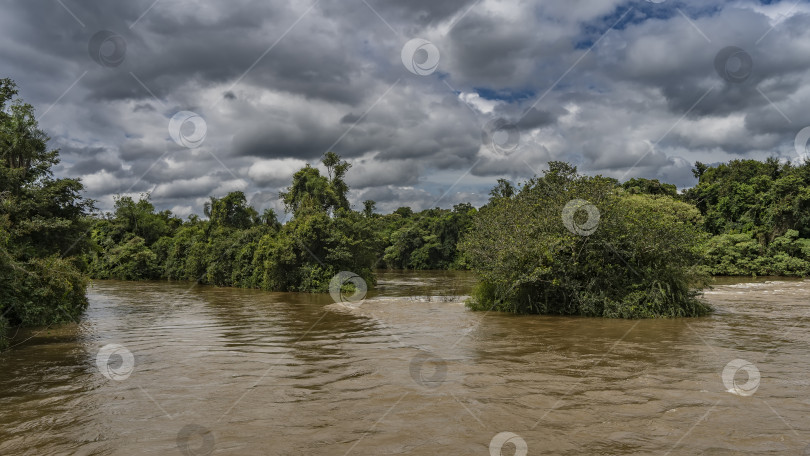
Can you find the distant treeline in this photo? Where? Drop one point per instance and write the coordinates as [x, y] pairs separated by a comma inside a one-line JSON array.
[[757, 213], [237, 246]]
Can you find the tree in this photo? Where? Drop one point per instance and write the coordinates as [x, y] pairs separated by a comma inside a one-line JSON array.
[[759, 213], [504, 189], [270, 218], [42, 220], [312, 192], [649, 187], [576, 245], [139, 218], [699, 169], [336, 170], [232, 211], [309, 192], [368, 208], [425, 240], [404, 212]]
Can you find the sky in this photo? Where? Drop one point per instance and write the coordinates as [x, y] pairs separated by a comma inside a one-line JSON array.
[[430, 101]]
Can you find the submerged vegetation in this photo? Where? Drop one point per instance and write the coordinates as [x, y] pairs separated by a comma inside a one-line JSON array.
[[619, 254], [561, 243]]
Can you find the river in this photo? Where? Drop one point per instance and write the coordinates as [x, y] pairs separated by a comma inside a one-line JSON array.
[[408, 370]]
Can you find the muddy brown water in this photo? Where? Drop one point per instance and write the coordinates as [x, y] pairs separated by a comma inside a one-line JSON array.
[[407, 371]]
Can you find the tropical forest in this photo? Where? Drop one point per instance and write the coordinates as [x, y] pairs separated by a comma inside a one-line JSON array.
[[651, 253]]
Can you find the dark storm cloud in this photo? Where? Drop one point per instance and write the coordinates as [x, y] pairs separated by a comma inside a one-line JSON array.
[[147, 107], [91, 160], [535, 118], [485, 50], [375, 173], [280, 83], [133, 150], [284, 138], [350, 118]]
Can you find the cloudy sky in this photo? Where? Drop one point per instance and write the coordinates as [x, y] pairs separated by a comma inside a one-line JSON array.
[[431, 101]]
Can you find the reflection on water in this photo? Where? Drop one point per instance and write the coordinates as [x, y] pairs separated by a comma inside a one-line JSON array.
[[407, 371]]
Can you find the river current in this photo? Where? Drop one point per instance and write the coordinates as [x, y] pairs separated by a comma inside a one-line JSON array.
[[166, 368]]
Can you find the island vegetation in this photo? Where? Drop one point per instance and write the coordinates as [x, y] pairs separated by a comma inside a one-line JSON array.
[[561, 243], [629, 255]]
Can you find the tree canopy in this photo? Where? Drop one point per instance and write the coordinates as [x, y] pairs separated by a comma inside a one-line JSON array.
[[758, 214], [652, 247], [580, 245], [42, 224]]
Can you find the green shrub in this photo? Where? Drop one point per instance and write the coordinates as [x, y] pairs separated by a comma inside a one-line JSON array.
[[42, 291], [741, 254], [642, 260]]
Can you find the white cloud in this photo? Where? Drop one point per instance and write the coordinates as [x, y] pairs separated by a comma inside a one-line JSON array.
[[481, 104], [275, 172]]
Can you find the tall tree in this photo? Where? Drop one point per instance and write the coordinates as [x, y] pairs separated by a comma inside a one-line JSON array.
[[232, 211], [42, 219], [368, 208], [310, 191]]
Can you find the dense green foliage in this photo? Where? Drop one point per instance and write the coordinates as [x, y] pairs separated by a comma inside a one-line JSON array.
[[649, 187], [647, 255], [41, 221], [640, 260], [424, 240], [238, 247], [759, 214]]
